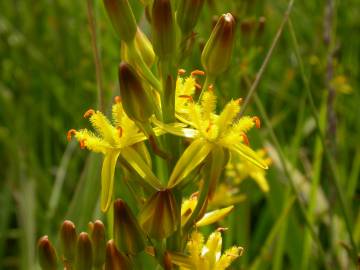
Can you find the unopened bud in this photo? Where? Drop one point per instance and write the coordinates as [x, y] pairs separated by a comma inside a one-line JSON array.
[[163, 29], [144, 47], [188, 13], [116, 260], [160, 215], [99, 243], [128, 235], [46, 254], [84, 256], [136, 102], [216, 55], [68, 240], [122, 18]]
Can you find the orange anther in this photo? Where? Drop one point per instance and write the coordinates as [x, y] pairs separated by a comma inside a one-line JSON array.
[[117, 99], [195, 195], [221, 229], [197, 72], [239, 101], [209, 127], [82, 144], [120, 131], [70, 133], [211, 88], [89, 113], [257, 121], [181, 71], [190, 98], [245, 138], [198, 86]]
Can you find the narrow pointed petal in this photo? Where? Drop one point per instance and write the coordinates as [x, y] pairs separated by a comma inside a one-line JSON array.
[[107, 179], [248, 154], [214, 216]]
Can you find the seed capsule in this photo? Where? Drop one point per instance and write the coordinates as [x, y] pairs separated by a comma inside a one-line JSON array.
[[216, 55]]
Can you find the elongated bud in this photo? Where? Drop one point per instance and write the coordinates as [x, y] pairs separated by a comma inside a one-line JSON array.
[[122, 18], [46, 254], [98, 243], [160, 215], [68, 240], [144, 47], [128, 235], [116, 260], [188, 13], [216, 55], [84, 255], [136, 101], [163, 29]]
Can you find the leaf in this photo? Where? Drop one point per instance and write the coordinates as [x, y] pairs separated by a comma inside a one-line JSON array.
[[107, 179]]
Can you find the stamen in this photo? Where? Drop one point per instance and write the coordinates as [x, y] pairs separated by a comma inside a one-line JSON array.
[[117, 99], [211, 88], [197, 72], [70, 133], [198, 86], [209, 127], [221, 229], [120, 131], [245, 138], [190, 98], [82, 144], [257, 121], [89, 113], [239, 101], [181, 71], [195, 195], [187, 213]]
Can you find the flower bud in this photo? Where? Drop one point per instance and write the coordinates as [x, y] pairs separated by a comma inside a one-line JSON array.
[[216, 55], [68, 240], [163, 29], [84, 256], [160, 215], [122, 18], [116, 260], [99, 243], [136, 102], [47, 255], [128, 235], [144, 47], [188, 13]]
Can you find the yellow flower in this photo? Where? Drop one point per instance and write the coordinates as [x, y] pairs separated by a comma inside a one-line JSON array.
[[113, 140], [208, 129], [239, 169], [226, 194], [208, 256]]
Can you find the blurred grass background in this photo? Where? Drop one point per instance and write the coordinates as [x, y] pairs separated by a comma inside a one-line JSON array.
[[47, 81]]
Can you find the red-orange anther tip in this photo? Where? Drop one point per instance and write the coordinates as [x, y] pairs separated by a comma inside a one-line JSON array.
[[211, 88], [257, 121], [239, 101], [120, 131], [82, 144], [209, 127], [221, 229], [198, 86], [181, 71], [197, 72], [190, 98], [88, 113], [245, 138], [117, 99], [70, 133], [195, 195]]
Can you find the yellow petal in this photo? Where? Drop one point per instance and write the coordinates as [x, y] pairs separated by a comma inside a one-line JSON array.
[[248, 154], [193, 155], [214, 216], [107, 179]]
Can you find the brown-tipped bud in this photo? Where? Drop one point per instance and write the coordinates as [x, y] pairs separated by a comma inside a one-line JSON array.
[[160, 215], [216, 55], [128, 236], [98, 243], [163, 29], [68, 240], [84, 255], [188, 13], [136, 102], [144, 47], [46, 254], [122, 18], [167, 261], [116, 260], [261, 25]]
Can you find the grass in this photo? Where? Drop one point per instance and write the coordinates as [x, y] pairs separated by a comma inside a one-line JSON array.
[[52, 69]]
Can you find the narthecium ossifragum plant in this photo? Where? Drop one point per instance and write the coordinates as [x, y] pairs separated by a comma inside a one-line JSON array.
[[159, 106]]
